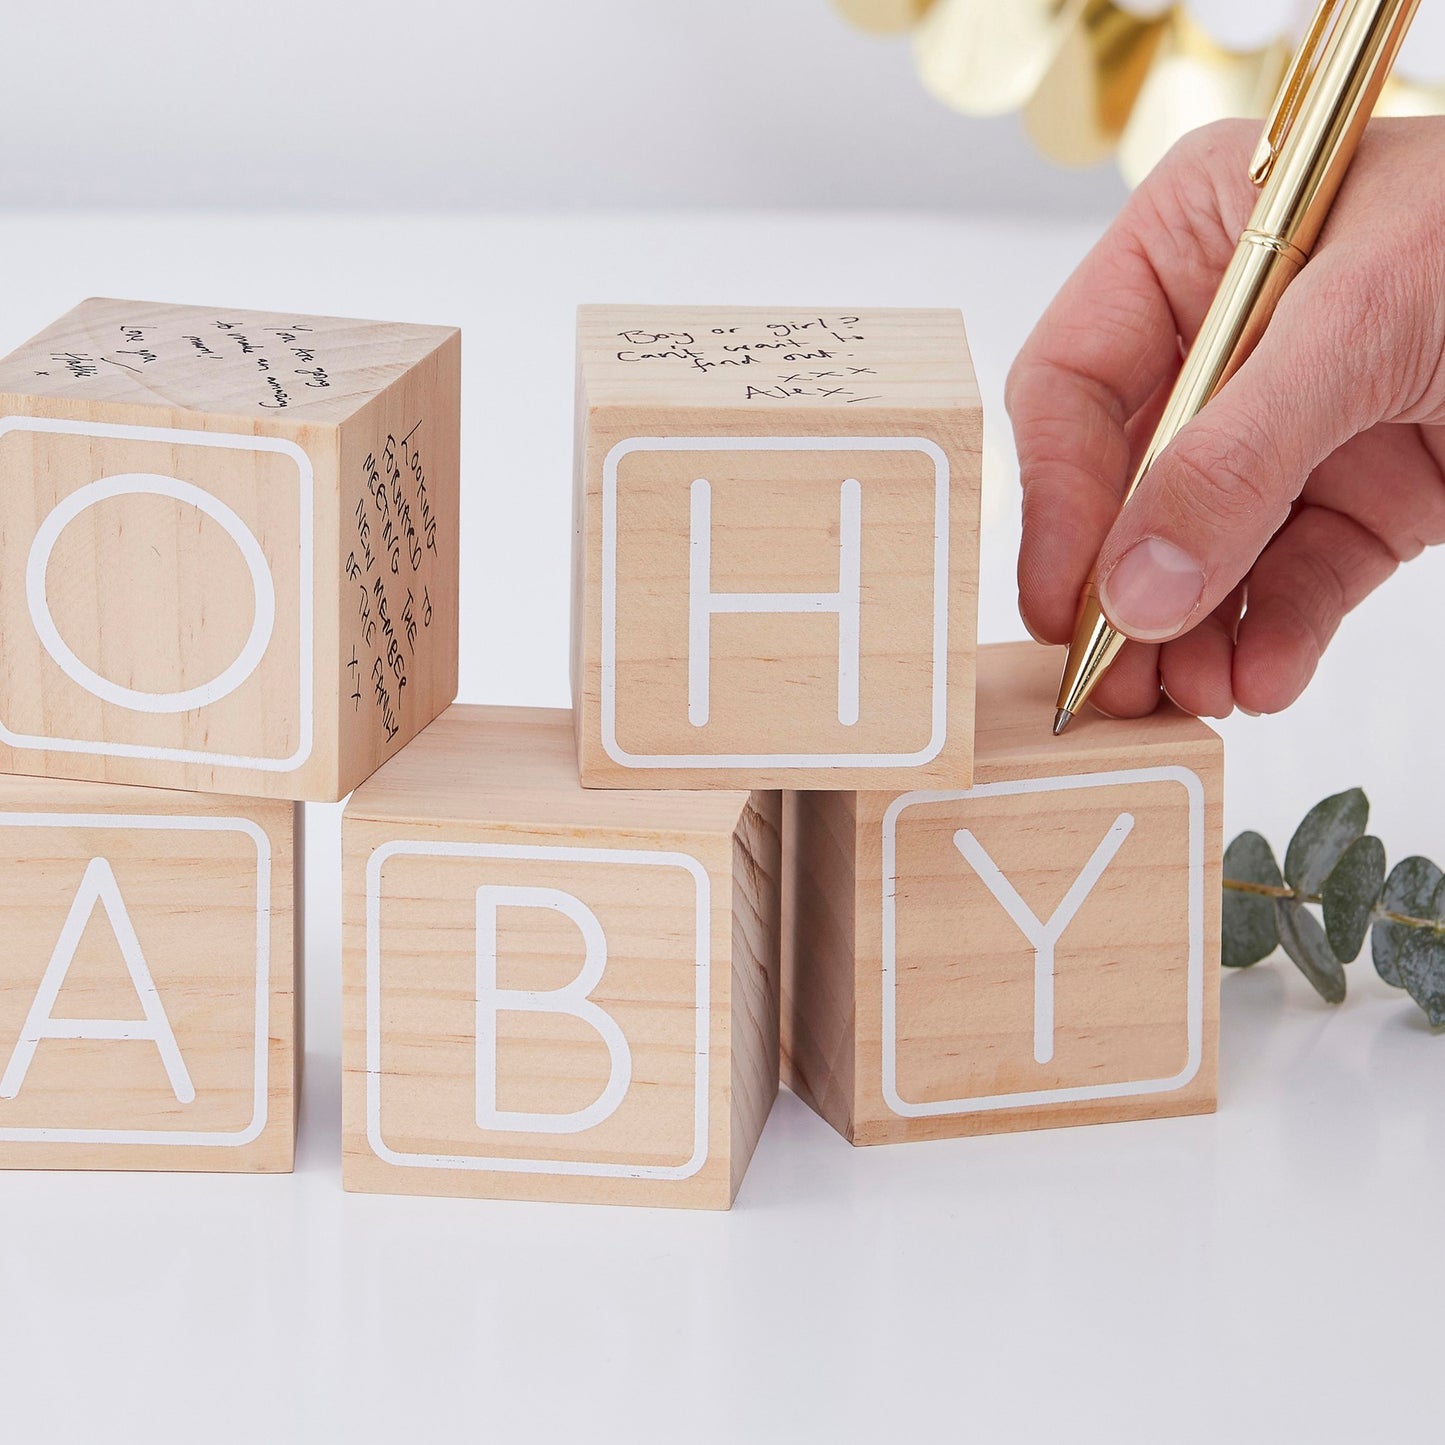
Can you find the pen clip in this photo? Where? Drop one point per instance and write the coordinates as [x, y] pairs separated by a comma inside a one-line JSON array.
[[1294, 89]]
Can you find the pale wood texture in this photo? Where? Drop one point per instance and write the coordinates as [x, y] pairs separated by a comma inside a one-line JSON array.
[[208, 884], [328, 448], [684, 889], [926, 1023], [781, 416]]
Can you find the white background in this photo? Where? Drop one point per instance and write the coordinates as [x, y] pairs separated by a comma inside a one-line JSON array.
[[1268, 1273]]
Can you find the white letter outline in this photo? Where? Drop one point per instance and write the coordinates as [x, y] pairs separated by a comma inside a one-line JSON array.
[[1044, 935], [98, 885], [703, 602], [572, 999]]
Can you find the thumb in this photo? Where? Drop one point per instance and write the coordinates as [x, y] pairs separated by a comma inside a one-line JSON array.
[[1213, 499]]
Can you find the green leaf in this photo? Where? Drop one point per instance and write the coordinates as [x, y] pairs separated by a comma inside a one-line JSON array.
[[1320, 841], [1422, 968], [1301, 936], [1348, 896], [1410, 889], [1250, 930]]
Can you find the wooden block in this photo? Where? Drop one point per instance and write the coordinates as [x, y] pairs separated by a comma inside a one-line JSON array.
[[229, 559], [552, 993], [149, 981], [1037, 950], [776, 566]]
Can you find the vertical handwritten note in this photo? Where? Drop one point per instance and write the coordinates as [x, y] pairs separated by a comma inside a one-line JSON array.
[[395, 537]]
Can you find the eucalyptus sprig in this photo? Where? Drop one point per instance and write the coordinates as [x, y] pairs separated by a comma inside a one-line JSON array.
[[1333, 864]]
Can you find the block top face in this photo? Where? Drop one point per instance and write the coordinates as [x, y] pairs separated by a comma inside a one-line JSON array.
[[517, 767], [1018, 683], [765, 359], [271, 366]]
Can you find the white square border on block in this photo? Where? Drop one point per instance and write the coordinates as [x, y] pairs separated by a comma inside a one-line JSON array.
[[153, 822], [939, 719], [702, 1048], [1194, 1009], [233, 441]]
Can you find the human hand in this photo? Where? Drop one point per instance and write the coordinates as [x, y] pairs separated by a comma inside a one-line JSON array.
[[1314, 472]]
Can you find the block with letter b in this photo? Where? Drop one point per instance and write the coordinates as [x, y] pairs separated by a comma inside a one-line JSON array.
[[229, 560], [776, 566], [1039, 949], [148, 984], [552, 993]]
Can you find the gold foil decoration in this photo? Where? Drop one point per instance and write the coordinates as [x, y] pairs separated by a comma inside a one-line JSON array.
[[1411, 97], [1095, 76], [987, 57], [1081, 106], [1195, 80], [883, 17]]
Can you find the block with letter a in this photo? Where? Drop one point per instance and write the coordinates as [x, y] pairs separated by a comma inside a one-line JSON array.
[[776, 541], [229, 559], [553, 993], [148, 1000], [1041, 948]]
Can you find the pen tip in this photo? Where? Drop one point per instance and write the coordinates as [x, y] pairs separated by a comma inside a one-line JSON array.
[[1062, 719]]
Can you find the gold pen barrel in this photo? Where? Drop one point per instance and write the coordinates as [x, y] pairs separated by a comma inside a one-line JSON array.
[[1322, 113], [1253, 282]]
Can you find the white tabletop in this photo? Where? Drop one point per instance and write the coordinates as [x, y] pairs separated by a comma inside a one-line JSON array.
[[1272, 1272]]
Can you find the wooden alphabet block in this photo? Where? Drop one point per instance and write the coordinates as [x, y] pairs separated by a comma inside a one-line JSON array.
[[1039, 949], [229, 559], [149, 978], [776, 568], [551, 993]]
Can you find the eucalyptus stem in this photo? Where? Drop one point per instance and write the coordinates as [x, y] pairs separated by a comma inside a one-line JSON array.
[[1331, 895], [1268, 890]]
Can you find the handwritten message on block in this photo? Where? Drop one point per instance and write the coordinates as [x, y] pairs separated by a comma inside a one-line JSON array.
[[230, 563]]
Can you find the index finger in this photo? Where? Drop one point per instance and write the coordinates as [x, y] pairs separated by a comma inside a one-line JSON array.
[[1106, 345]]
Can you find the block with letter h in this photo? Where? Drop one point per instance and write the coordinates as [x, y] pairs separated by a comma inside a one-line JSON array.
[[552, 993], [776, 536], [148, 983], [229, 559], [1039, 949]]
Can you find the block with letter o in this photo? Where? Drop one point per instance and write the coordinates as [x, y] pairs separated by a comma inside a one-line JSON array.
[[229, 560]]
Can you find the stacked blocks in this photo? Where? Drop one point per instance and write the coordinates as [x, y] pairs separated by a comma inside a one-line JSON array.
[[579, 948], [560, 975], [553, 993], [1039, 949], [227, 573]]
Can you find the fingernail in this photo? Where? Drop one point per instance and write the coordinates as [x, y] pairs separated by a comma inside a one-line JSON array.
[[1152, 590], [1248, 711]]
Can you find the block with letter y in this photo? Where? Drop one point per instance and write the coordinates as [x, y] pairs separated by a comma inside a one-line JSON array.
[[776, 566], [552, 993], [1041, 948], [148, 999]]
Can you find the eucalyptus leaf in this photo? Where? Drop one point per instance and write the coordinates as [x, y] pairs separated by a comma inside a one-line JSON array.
[[1422, 966], [1250, 930], [1320, 841], [1410, 889], [1301, 936], [1348, 896]]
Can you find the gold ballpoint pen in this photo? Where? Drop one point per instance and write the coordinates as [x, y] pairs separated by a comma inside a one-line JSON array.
[[1323, 105]]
